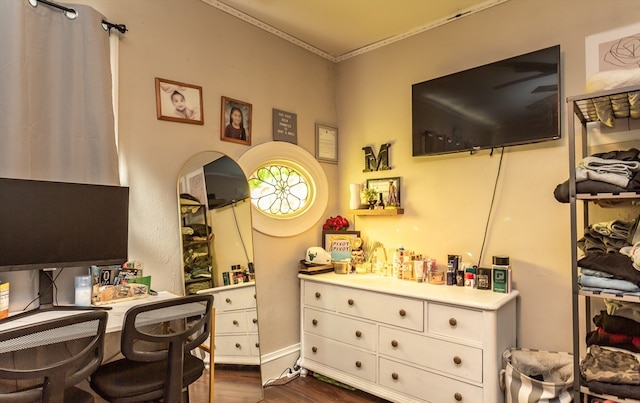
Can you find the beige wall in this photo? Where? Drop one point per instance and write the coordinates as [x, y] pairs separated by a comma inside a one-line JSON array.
[[192, 42], [447, 198]]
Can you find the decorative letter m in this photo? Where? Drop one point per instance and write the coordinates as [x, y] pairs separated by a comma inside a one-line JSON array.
[[381, 163]]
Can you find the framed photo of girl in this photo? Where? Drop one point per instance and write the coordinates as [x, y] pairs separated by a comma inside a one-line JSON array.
[[235, 121], [179, 102]]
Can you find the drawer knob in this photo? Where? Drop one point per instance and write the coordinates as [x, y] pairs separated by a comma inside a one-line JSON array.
[[228, 300], [237, 345], [350, 301], [458, 397], [358, 334], [395, 376], [358, 364], [254, 296], [255, 320], [315, 322], [403, 312], [453, 322], [318, 295], [235, 322], [457, 360], [257, 345], [314, 349], [394, 343]]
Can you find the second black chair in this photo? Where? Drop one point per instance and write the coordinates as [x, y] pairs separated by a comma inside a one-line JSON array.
[[157, 340]]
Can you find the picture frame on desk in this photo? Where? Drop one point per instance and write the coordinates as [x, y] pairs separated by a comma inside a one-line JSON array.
[[339, 244]]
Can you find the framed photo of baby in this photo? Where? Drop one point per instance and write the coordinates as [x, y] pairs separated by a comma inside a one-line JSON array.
[[179, 102], [235, 121]]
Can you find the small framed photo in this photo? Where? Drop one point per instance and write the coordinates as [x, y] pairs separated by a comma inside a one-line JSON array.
[[235, 121], [339, 243], [389, 188], [179, 102], [326, 143]]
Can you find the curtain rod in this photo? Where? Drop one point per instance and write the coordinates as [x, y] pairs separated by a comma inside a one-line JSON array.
[[72, 14]]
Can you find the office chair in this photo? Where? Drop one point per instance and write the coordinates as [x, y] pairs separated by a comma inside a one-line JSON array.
[[157, 340], [43, 361]]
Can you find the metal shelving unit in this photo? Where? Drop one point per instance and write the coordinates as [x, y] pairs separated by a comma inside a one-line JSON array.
[[622, 103]]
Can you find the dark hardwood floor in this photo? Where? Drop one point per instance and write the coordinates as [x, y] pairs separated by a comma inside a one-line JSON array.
[[236, 386]]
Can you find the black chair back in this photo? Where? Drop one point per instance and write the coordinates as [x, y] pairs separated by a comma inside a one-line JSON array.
[[173, 327], [40, 361]]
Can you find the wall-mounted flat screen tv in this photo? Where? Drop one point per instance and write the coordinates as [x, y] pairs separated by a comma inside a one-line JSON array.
[[509, 102], [225, 182], [56, 224]]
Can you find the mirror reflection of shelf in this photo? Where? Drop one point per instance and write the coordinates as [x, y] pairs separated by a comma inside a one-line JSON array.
[[380, 212]]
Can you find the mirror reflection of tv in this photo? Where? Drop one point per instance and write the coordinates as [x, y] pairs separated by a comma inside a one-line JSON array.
[[509, 102], [225, 183]]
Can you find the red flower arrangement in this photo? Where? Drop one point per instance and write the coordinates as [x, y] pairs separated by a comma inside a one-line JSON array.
[[337, 223]]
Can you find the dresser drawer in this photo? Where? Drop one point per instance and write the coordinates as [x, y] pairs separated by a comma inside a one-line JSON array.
[[347, 330], [396, 311], [231, 322], [236, 345], [439, 355], [320, 295], [460, 323], [340, 356], [254, 345], [234, 299], [426, 385], [252, 321]]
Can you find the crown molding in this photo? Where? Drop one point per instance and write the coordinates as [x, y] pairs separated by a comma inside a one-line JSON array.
[[368, 48]]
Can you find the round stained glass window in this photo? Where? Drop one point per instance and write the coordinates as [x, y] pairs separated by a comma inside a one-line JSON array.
[[281, 189]]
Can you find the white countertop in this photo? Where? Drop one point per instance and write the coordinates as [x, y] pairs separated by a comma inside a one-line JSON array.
[[115, 314], [463, 296]]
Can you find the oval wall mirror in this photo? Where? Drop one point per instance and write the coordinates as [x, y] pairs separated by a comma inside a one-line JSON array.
[[217, 258]]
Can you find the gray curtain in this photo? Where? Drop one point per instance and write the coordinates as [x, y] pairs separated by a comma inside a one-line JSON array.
[[56, 116]]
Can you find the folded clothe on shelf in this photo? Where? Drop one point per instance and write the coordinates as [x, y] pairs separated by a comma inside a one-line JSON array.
[[617, 229], [593, 242], [613, 263], [609, 364], [624, 391], [633, 252], [625, 309], [608, 283], [617, 324], [593, 183], [618, 293], [613, 171], [595, 273], [602, 338]]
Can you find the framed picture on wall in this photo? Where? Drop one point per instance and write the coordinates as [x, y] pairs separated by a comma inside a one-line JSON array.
[[389, 188], [235, 121], [179, 102], [339, 244], [326, 144]]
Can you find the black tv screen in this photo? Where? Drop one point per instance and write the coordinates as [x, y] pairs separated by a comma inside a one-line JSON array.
[[55, 224], [225, 182], [509, 102]]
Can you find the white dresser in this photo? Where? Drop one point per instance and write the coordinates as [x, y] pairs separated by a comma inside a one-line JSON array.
[[236, 333], [406, 341]]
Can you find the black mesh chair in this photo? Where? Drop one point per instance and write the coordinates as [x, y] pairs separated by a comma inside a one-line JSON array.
[[157, 340], [42, 362]]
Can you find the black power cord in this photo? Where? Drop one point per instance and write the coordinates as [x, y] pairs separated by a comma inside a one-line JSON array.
[[493, 198]]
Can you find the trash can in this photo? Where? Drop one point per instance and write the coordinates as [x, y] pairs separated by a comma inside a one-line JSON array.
[[536, 376]]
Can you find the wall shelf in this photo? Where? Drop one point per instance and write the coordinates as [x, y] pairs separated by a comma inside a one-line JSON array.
[[387, 211]]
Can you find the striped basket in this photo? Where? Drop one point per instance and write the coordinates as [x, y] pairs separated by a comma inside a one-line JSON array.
[[520, 364]]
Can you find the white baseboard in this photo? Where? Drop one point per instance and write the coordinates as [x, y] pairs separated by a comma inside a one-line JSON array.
[[274, 363]]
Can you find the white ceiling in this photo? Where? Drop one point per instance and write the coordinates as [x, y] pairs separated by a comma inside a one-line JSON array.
[[339, 29]]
